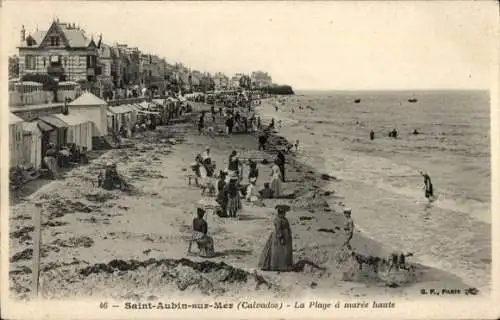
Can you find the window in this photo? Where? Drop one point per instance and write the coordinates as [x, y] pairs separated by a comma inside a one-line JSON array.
[[30, 62], [54, 41], [55, 59], [91, 61]]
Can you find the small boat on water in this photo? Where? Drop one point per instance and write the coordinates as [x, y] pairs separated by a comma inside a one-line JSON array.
[[357, 101], [413, 100]]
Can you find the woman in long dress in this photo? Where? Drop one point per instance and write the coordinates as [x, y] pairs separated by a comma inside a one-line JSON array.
[[277, 254], [221, 194], [233, 197], [276, 180]]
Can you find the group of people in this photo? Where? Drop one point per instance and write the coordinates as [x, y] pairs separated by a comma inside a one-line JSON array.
[[392, 134], [238, 123], [62, 157], [231, 194]]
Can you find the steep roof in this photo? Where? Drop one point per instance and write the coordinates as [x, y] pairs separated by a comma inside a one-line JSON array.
[[87, 99], [37, 36], [75, 38]]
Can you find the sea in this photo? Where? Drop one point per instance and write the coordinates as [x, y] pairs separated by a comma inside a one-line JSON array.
[[380, 179]]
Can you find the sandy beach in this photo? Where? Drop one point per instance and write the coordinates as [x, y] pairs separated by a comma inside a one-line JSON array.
[[98, 243]]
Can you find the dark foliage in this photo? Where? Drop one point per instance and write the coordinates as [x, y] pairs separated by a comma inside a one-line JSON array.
[[282, 89]]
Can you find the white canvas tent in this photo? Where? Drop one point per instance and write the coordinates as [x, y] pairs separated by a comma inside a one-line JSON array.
[[15, 140], [92, 108], [79, 129], [32, 144], [121, 115]]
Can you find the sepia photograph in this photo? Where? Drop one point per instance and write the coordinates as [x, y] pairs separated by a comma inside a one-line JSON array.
[[249, 159]]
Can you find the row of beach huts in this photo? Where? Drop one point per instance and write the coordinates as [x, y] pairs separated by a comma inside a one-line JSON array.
[[82, 122]]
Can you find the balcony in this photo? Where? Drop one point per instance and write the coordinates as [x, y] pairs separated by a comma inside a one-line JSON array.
[[55, 70]]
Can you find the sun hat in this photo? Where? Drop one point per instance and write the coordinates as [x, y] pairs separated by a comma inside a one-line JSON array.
[[347, 210]]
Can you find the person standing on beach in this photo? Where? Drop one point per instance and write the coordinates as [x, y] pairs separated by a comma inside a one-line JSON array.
[[276, 180], [221, 198], [234, 163], [429, 190], [201, 122], [253, 173], [229, 125], [372, 135], [348, 228], [277, 254], [281, 163], [51, 161], [233, 196]]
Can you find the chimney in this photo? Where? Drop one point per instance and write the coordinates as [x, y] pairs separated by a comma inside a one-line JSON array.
[[23, 34]]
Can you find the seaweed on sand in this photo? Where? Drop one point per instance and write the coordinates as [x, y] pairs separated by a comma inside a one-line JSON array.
[[181, 270]]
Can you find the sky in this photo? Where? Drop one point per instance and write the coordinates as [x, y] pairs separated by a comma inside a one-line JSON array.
[[309, 45]]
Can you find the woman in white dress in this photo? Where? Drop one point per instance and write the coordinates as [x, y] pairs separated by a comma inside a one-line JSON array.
[[276, 180]]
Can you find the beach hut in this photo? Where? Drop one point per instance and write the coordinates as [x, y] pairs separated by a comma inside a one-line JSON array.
[[15, 140], [120, 116], [32, 144], [79, 129], [94, 109], [53, 130]]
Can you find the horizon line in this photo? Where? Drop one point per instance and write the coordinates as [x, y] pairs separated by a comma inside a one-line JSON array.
[[395, 89]]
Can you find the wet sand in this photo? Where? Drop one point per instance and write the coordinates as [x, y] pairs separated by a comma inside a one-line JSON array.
[[89, 234]]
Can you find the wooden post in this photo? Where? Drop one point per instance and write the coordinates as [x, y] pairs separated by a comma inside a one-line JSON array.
[[36, 249]]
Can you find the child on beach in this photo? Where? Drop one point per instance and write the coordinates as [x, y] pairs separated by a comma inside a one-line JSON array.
[[267, 192], [252, 195], [348, 228]]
